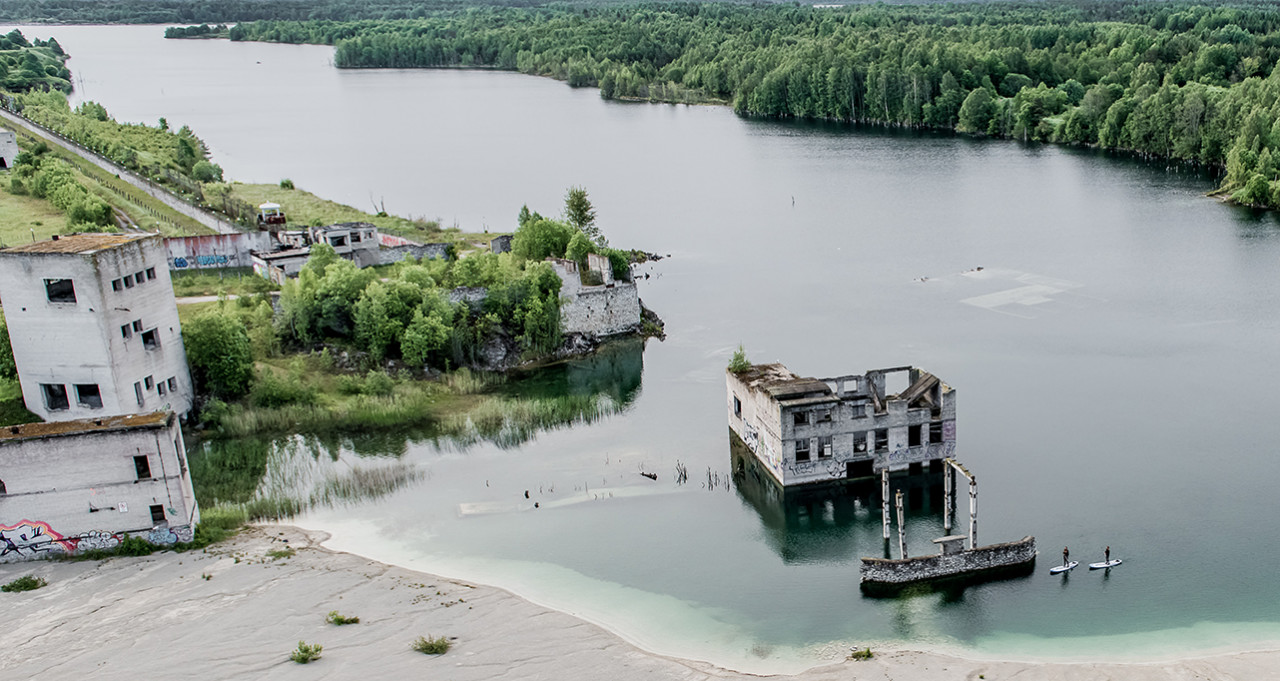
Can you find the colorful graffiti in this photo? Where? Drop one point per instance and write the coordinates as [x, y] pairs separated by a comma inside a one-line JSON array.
[[163, 536], [29, 539]]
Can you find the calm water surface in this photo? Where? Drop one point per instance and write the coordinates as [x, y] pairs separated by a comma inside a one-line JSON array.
[[1114, 358]]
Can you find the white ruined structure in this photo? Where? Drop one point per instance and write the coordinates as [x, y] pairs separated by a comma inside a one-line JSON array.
[[813, 430], [600, 305], [8, 148], [94, 326], [72, 486]]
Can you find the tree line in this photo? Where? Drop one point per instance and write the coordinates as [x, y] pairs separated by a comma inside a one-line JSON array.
[[32, 65], [1190, 82]]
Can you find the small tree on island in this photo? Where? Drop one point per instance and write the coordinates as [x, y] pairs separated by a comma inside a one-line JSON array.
[[739, 362], [579, 213]]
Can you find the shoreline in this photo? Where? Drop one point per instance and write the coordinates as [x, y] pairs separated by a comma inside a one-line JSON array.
[[233, 612]]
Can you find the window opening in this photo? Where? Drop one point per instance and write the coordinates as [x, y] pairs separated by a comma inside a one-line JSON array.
[[128, 281], [913, 436], [2, 489], [142, 467], [737, 406], [151, 273], [800, 417], [139, 277], [160, 387], [60, 290], [173, 385], [802, 449], [157, 514], [88, 395], [935, 432], [137, 326], [824, 447], [55, 396], [126, 332], [137, 390], [116, 285], [150, 339], [882, 440], [824, 416], [149, 382]]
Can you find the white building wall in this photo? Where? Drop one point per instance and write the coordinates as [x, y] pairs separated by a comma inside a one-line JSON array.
[[81, 489], [8, 148], [84, 342]]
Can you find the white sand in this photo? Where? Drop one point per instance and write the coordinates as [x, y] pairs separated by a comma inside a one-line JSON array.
[[158, 618]]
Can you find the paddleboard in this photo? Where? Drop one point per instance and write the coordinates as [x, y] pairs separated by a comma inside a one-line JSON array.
[[1108, 564], [1063, 568]]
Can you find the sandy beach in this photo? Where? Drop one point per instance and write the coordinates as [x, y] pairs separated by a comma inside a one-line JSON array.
[[234, 612]]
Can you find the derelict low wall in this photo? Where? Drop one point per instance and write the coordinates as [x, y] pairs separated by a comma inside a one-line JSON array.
[[981, 559], [601, 310]]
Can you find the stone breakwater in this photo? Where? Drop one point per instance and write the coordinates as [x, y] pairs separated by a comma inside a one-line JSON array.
[[979, 562]]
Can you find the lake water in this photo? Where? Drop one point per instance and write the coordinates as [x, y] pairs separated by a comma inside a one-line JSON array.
[[1114, 359]]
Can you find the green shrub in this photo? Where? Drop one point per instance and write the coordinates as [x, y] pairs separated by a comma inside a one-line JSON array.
[[286, 552], [864, 654], [306, 653], [286, 183], [135, 546], [335, 618], [270, 391], [739, 362], [378, 383], [219, 352], [432, 646], [27, 583]]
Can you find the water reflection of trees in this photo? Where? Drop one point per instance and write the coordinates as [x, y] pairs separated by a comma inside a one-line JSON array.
[[302, 468], [831, 522]]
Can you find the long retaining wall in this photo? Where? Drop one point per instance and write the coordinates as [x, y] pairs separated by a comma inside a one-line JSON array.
[[975, 562], [215, 250]]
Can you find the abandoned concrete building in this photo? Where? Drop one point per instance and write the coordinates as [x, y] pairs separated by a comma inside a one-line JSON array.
[[72, 486], [94, 326], [592, 301], [8, 148], [807, 430]]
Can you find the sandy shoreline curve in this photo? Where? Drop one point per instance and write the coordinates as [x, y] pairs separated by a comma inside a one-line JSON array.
[[234, 612]]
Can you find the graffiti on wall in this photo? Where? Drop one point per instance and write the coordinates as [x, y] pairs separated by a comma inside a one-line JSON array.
[[27, 539], [201, 261]]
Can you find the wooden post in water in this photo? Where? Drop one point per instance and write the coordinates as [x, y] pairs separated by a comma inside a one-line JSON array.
[[947, 476], [902, 534], [884, 501], [973, 512]]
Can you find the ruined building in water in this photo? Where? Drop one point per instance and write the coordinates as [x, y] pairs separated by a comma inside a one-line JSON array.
[[593, 302], [94, 326], [812, 430]]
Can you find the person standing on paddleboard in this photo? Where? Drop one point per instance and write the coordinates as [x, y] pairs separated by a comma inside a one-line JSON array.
[[1107, 554], [1066, 555]]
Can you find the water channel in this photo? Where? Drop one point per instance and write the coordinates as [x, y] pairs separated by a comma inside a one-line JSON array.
[[1113, 358]]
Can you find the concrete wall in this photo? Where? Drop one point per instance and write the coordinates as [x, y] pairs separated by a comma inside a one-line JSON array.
[[605, 310], [388, 255], [8, 148], [77, 491], [979, 560], [215, 250], [757, 421], [84, 342]]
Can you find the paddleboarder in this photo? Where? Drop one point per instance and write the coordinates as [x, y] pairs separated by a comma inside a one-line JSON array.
[[1107, 554], [1066, 555]]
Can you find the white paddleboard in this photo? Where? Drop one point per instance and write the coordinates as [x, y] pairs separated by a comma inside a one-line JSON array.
[[1064, 568], [1108, 564]]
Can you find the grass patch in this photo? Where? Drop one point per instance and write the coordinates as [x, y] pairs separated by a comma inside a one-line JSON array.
[[431, 646], [305, 653], [20, 215], [27, 583], [335, 618], [237, 281], [286, 552], [13, 410], [864, 654]]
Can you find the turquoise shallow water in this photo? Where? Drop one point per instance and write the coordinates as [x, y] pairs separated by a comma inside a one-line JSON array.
[[1112, 359]]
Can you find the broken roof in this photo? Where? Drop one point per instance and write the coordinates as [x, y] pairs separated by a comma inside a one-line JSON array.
[[77, 243], [28, 431]]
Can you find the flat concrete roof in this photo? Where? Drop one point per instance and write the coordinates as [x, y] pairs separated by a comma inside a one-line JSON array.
[[77, 244], [29, 431]]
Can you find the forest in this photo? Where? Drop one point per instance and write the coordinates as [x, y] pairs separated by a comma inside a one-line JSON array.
[[1180, 81], [32, 65]]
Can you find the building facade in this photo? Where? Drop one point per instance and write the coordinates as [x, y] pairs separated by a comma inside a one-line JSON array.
[[593, 302], [812, 430], [71, 486], [8, 148], [94, 326]]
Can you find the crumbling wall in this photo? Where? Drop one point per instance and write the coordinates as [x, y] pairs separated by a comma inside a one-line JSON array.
[[601, 310], [981, 559], [215, 250], [388, 255]]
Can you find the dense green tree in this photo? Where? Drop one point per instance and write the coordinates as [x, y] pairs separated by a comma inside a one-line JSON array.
[[219, 353], [581, 215], [540, 239]]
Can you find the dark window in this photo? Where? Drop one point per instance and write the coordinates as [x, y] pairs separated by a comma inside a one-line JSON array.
[[935, 432], [116, 285], [355, 237], [800, 417], [151, 273], [160, 387], [824, 447], [150, 339], [88, 395], [338, 241], [802, 449], [157, 514], [149, 382], [55, 396], [60, 290], [139, 277], [824, 416], [137, 390], [882, 440], [913, 436], [2, 489], [126, 332], [143, 467], [860, 442], [737, 406], [128, 281], [137, 326], [173, 384]]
